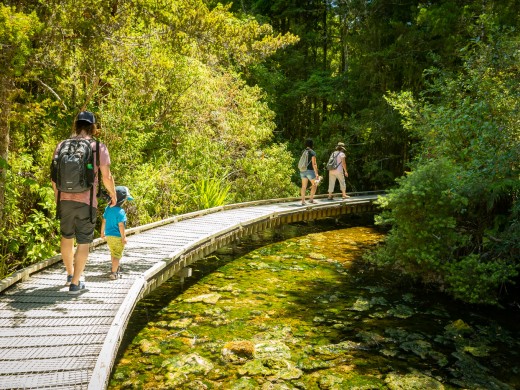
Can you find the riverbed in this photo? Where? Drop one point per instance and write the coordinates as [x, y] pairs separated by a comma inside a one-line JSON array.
[[307, 312]]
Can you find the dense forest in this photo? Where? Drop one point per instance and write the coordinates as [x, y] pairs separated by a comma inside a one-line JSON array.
[[203, 103]]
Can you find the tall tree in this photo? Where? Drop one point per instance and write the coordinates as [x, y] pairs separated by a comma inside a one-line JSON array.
[[16, 32]]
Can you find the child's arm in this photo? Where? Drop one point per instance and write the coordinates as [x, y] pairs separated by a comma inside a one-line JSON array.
[[102, 232], [122, 231]]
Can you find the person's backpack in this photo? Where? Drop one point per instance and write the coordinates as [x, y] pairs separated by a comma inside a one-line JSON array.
[[333, 161], [72, 168], [304, 161]]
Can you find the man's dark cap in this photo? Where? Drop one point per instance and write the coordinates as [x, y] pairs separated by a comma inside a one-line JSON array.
[[86, 116]]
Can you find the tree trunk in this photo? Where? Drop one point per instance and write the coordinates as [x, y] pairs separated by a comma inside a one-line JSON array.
[[4, 143]]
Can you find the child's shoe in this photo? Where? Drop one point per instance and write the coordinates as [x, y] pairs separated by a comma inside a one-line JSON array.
[[116, 275]]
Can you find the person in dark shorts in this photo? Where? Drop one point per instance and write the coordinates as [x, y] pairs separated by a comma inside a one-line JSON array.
[[309, 175], [77, 213]]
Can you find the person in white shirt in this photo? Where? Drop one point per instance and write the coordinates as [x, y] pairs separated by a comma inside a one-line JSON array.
[[340, 172]]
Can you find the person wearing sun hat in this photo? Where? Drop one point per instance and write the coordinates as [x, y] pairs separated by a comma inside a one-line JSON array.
[[113, 229], [340, 172]]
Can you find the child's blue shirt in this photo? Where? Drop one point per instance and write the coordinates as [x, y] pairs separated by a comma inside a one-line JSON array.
[[113, 216]]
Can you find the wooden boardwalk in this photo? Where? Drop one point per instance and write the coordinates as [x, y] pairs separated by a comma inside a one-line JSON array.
[[50, 339]]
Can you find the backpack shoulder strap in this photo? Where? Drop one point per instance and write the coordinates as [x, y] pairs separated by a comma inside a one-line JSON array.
[[98, 169], [337, 164]]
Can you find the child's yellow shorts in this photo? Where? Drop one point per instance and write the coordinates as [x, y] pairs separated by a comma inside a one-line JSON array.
[[116, 246]]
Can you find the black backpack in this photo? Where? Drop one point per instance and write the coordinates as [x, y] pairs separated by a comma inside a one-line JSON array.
[[72, 168]]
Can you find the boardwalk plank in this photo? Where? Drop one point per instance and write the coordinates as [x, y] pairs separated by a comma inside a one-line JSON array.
[[22, 341], [51, 332], [46, 365], [70, 379], [49, 352], [41, 322]]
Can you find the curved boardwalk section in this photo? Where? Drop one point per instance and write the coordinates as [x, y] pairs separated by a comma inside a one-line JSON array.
[[51, 339]]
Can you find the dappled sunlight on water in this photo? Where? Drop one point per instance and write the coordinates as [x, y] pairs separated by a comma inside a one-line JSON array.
[[308, 313]]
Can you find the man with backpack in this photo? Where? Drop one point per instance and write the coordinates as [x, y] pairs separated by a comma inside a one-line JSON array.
[[75, 180]]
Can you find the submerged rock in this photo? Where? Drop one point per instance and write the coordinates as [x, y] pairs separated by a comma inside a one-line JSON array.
[[180, 367], [275, 333], [416, 381], [260, 265], [333, 351], [345, 377], [180, 324], [419, 347], [274, 369], [474, 375], [254, 368], [458, 328], [361, 304], [272, 349], [226, 288], [148, 347], [312, 363], [371, 338], [402, 311], [205, 298], [317, 256], [238, 351], [244, 384]]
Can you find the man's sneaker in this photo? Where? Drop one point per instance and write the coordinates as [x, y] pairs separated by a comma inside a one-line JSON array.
[[76, 289], [69, 279]]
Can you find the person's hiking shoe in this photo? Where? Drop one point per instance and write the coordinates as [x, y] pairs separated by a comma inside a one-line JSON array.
[[313, 201], [69, 279], [76, 289]]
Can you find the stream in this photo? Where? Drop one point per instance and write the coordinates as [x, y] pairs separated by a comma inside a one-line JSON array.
[[297, 308]]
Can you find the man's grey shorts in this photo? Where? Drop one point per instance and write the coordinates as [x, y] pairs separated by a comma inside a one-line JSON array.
[[75, 221]]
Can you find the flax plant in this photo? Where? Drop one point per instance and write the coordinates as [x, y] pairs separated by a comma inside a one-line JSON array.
[[210, 192]]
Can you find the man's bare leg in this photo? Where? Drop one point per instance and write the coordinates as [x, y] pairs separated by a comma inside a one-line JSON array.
[[80, 260], [67, 254]]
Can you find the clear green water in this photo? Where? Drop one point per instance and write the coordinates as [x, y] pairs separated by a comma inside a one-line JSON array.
[[307, 313]]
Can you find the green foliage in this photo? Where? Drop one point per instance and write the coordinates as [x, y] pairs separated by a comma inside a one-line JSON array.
[[461, 219], [266, 173], [159, 192], [472, 279], [16, 30], [423, 211], [209, 192], [29, 231], [164, 81]]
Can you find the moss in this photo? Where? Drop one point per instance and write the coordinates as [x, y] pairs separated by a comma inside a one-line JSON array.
[[306, 314]]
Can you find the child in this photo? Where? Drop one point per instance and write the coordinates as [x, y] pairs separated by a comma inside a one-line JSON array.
[[113, 227]]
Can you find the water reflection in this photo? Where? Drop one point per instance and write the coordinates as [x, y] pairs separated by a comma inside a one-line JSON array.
[[306, 313]]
